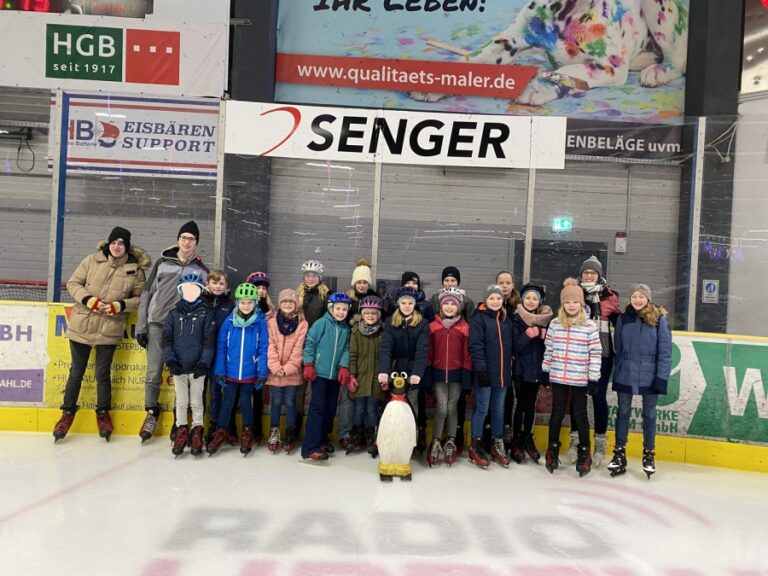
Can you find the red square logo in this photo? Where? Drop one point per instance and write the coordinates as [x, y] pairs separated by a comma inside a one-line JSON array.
[[152, 57]]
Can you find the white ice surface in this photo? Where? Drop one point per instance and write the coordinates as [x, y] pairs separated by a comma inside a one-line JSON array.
[[87, 507]]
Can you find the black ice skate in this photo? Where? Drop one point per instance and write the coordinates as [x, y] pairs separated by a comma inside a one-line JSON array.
[[618, 464], [552, 457], [530, 448], [583, 460], [290, 440], [649, 462]]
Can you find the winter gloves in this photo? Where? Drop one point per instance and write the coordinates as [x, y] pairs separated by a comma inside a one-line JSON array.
[[483, 380], [309, 372], [108, 308], [142, 340], [592, 387]]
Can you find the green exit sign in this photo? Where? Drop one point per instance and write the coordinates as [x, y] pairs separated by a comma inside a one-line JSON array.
[[562, 224]]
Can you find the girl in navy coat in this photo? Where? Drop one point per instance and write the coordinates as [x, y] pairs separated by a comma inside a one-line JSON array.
[[529, 329], [241, 365], [490, 344], [643, 346]]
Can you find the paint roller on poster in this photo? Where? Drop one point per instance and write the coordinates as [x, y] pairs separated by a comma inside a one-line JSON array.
[[610, 60]]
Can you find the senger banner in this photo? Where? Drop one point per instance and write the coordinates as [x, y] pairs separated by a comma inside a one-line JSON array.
[[79, 52], [393, 136], [610, 60], [138, 136]]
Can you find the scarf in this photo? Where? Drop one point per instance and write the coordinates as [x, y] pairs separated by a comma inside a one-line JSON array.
[[369, 329], [286, 326], [241, 321], [541, 318], [593, 290], [449, 322]]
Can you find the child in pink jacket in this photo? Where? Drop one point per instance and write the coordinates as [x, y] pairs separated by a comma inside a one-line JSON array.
[[287, 332]]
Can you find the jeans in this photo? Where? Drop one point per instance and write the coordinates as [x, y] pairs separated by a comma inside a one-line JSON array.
[[525, 409], [228, 404], [346, 413], [493, 397], [80, 355], [189, 392], [599, 401], [446, 400], [278, 395], [649, 419], [322, 410], [367, 412], [154, 374], [578, 412]]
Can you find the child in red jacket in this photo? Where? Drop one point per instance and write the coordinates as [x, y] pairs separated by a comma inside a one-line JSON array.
[[451, 368]]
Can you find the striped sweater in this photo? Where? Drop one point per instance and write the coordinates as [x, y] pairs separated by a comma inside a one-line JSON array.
[[572, 355]]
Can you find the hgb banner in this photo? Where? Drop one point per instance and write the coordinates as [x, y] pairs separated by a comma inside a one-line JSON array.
[[392, 136], [121, 54], [151, 137]]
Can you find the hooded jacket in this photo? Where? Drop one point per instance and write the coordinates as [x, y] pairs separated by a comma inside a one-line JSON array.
[[643, 354], [109, 280], [404, 349], [285, 351], [160, 294], [449, 358], [241, 353], [529, 352], [189, 337], [327, 346], [490, 344]]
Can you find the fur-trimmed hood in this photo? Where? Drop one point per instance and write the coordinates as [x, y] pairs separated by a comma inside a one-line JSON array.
[[135, 254]]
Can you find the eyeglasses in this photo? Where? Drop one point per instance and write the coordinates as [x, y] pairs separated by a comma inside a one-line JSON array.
[[185, 238]]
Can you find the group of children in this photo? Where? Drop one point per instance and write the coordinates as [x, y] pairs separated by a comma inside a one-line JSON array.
[[352, 342]]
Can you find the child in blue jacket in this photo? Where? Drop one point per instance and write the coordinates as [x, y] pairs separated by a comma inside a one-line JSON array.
[[188, 347], [643, 346], [241, 363], [326, 366]]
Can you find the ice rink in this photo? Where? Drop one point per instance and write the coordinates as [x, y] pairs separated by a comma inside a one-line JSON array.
[[87, 507]]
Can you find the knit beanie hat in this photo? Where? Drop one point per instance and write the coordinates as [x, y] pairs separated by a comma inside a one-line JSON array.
[[644, 289], [451, 271], [288, 295], [493, 289], [119, 233], [362, 272], [592, 263], [404, 292], [533, 288], [450, 295], [408, 276], [189, 228], [572, 290]]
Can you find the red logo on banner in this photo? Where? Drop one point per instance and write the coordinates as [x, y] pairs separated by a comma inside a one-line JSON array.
[[152, 57], [295, 115]]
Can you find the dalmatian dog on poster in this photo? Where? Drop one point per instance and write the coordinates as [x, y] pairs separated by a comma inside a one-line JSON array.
[[591, 44]]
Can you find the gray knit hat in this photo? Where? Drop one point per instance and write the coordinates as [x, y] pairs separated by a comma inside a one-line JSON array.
[[592, 263], [493, 289], [644, 289]]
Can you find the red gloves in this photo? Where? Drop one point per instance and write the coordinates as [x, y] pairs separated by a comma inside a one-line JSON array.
[[532, 331], [92, 303], [309, 372], [353, 384], [345, 377]]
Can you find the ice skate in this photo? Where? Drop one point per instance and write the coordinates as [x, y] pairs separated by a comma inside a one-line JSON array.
[[477, 453], [583, 461], [370, 439], [450, 451], [573, 450], [180, 440], [599, 454], [216, 441], [316, 456], [509, 438], [246, 441], [649, 462], [530, 448], [104, 423], [63, 425], [328, 448], [516, 451], [196, 441], [421, 439], [618, 464], [356, 440], [433, 455], [552, 457], [274, 440], [498, 454], [290, 440], [148, 428]]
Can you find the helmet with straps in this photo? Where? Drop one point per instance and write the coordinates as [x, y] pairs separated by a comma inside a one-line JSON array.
[[313, 267], [339, 298], [246, 291], [191, 277], [257, 278]]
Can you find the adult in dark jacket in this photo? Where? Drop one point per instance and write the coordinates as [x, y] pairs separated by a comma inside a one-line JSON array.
[[490, 344], [529, 328], [157, 299], [643, 365], [405, 344], [105, 287]]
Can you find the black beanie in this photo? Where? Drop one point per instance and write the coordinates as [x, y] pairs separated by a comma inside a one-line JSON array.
[[453, 272], [119, 233], [408, 276], [190, 228]]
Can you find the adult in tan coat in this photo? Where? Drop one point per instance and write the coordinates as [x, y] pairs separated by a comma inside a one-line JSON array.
[[105, 287]]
